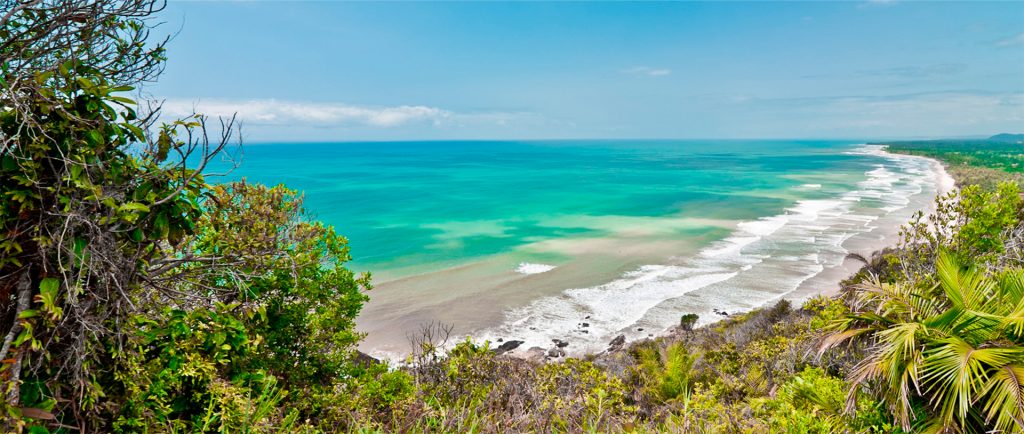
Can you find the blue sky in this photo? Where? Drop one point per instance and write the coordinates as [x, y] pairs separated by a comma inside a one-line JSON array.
[[322, 71]]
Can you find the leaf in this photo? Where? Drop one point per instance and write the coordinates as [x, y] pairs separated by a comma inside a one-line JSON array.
[[85, 83], [123, 100], [94, 137], [133, 206], [8, 163], [137, 132], [1005, 403], [37, 413], [160, 226], [24, 336], [49, 286]]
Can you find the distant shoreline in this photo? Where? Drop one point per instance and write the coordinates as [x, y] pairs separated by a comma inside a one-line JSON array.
[[944, 183], [824, 282], [829, 278]]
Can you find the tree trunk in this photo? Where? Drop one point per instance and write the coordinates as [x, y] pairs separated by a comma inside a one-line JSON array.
[[23, 301]]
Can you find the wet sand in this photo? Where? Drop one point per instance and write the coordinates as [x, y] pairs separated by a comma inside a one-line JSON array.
[[489, 300], [887, 235]]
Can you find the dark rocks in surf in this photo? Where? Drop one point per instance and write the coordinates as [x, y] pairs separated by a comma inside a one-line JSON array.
[[617, 343], [507, 346]]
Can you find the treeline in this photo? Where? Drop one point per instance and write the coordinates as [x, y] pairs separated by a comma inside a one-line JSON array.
[[973, 162], [136, 296]]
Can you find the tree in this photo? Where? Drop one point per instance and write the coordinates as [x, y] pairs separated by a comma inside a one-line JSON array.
[[118, 262], [88, 198]]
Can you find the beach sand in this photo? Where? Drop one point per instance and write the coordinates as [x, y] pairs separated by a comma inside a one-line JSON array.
[[887, 235], [619, 292]]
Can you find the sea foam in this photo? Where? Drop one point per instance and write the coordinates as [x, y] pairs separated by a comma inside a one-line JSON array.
[[761, 261], [531, 268]]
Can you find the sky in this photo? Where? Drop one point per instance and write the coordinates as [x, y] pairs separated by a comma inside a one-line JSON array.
[[342, 71]]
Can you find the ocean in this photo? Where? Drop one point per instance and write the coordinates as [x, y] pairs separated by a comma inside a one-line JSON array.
[[586, 240]]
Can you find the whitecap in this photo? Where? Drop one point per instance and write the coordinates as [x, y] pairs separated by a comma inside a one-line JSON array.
[[762, 261], [531, 268]]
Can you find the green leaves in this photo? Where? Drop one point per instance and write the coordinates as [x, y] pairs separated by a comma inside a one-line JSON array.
[[163, 143], [955, 349], [133, 206], [49, 290], [1005, 389]]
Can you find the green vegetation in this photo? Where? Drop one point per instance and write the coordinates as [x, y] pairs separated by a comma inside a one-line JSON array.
[[973, 162], [951, 351], [137, 297]]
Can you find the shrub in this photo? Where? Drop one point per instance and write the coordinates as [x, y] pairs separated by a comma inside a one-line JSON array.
[[664, 372], [687, 321]]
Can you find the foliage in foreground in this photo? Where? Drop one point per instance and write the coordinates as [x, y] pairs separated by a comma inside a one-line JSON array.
[[135, 296], [946, 357]]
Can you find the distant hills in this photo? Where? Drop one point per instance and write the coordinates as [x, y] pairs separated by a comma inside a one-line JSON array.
[[1003, 142], [1007, 137]]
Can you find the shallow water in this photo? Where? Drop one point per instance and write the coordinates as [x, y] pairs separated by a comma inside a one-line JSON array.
[[529, 240]]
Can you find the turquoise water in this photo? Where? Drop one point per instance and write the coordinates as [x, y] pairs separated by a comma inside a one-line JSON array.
[[411, 207], [529, 240]]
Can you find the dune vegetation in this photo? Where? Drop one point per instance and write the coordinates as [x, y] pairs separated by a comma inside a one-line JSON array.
[[138, 296]]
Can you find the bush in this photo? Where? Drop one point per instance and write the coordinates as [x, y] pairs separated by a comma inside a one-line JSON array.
[[687, 321]]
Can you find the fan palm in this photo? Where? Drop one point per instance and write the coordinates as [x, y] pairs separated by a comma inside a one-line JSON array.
[[945, 357]]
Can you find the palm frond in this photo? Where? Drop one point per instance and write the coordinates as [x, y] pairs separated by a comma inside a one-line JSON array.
[[955, 371], [1004, 399]]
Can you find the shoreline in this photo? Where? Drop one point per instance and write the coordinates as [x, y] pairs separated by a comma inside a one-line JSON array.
[[944, 183], [829, 278], [823, 282]]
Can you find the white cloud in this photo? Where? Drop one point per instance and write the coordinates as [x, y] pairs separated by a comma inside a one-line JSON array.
[[1012, 41], [647, 71], [276, 112]]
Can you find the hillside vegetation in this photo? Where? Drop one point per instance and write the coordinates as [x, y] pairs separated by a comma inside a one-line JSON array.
[[973, 162], [137, 296]]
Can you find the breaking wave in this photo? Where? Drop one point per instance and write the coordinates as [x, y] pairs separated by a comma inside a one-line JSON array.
[[761, 261]]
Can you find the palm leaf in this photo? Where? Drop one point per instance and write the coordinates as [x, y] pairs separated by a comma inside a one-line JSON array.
[[954, 373], [834, 339], [1004, 399], [966, 288]]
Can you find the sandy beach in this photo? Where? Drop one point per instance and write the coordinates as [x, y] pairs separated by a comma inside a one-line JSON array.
[[638, 285]]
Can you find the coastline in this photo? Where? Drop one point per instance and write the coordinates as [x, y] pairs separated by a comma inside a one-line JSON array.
[[827, 282], [831, 278], [700, 292]]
